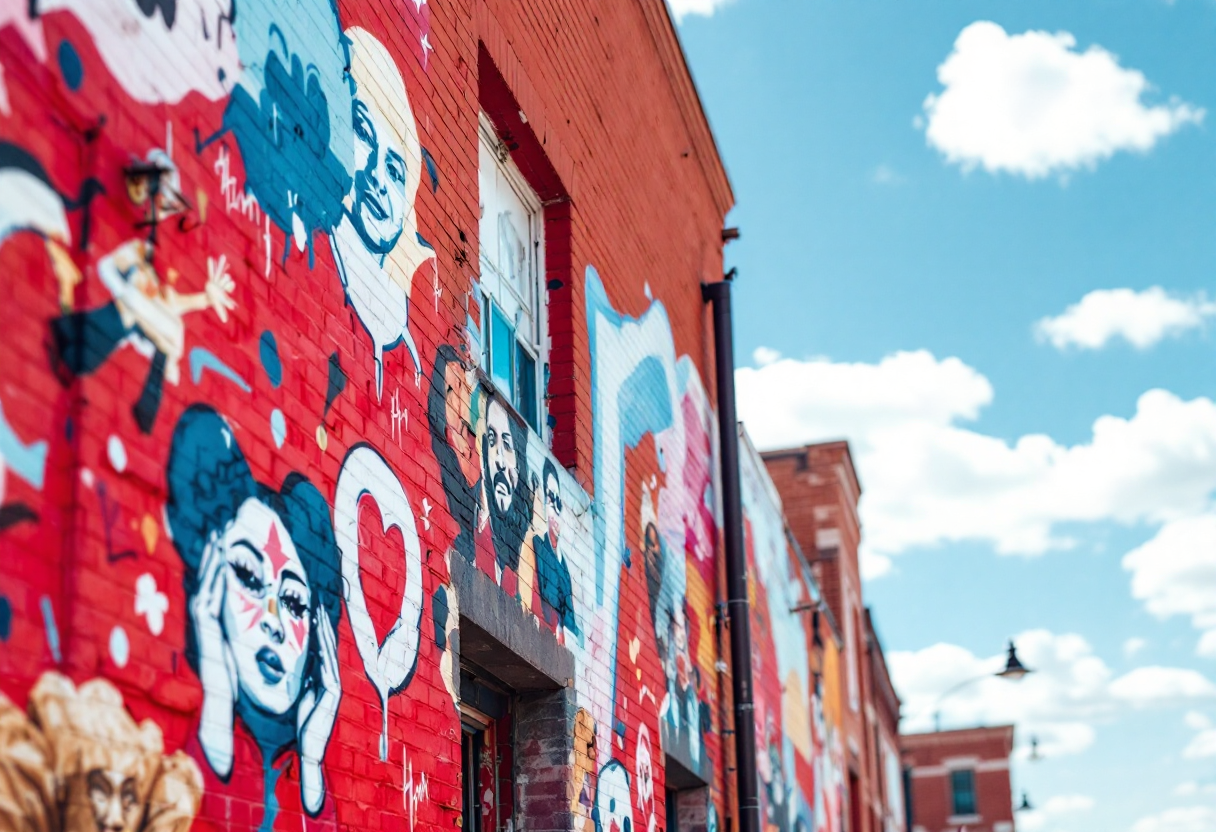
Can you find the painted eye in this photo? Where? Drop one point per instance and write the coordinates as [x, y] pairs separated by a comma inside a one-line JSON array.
[[364, 129], [294, 602], [251, 580], [396, 169]]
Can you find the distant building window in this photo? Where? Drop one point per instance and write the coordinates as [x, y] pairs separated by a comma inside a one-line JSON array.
[[512, 261], [962, 788]]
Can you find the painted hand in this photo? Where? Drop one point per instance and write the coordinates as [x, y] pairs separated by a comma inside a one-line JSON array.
[[216, 666], [219, 287], [317, 712], [66, 273]]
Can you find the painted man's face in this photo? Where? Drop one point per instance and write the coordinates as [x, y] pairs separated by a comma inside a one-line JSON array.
[[501, 459], [459, 432], [266, 607], [379, 208], [553, 508]]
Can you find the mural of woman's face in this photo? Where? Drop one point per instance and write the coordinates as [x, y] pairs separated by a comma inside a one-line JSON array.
[[380, 205], [266, 607]]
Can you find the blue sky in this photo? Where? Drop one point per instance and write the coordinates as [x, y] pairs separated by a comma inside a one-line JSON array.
[[1003, 297]]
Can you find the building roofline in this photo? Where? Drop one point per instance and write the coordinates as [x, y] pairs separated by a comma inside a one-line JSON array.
[[804, 450], [955, 733], [667, 43]]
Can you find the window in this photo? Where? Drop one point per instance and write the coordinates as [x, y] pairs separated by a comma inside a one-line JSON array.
[[962, 789], [510, 233]]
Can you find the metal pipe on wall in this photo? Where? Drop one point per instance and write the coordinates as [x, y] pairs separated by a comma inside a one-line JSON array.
[[747, 782]]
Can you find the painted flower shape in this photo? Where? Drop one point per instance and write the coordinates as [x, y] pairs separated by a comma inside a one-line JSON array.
[[151, 603]]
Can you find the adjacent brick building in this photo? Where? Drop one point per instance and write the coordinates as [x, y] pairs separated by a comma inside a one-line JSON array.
[[960, 779], [820, 491], [357, 433]]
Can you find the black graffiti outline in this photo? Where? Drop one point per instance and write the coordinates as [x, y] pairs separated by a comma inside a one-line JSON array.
[[110, 514]]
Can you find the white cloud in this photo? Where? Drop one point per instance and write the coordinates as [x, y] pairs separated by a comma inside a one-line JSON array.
[[1149, 686], [1053, 808], [763, 356], [874, 565], [1065, 803], [1189, 819], [1174, 573], [682, 8], [1133, 646], [927, 480], [1203, 744], [1197, 720], [1140, 318], [1190, 788], [1058, 703], [1030, 104]]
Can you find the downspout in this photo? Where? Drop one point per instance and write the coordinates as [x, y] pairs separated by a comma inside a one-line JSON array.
[[747, 784]]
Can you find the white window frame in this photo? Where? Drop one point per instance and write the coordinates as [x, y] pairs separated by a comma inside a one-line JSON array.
[[536, 345]]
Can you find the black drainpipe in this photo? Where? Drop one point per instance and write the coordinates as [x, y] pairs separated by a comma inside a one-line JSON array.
[[736, 562]]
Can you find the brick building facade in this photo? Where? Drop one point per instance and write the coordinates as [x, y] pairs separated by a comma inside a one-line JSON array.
[[820, 491], [960, 779], [357, 437]]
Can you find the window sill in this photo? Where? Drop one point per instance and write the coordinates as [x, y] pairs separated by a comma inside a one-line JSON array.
[[958, 820]]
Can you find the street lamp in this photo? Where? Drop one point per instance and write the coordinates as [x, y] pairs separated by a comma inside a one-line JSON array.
[[1025, 805], [1013, 671]]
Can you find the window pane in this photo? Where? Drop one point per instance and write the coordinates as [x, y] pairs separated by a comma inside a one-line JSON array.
[[962, 785], [502, 348], [525, 398], [513, 251]]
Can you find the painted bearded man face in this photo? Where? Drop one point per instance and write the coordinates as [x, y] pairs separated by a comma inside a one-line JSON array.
[[266, 607], [502, 461]]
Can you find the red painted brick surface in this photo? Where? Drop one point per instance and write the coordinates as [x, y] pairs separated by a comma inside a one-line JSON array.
[[246, 587]]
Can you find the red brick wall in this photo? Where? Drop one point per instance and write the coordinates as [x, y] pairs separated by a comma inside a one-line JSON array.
[[231, 459]]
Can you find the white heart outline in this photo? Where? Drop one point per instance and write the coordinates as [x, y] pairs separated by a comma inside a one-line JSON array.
[[389, 664]]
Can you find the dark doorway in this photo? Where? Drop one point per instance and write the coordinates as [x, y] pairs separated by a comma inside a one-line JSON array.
[[472, 740], [854, 802]]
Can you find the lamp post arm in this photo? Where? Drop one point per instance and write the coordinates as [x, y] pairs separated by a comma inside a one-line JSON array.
[[937, 705]]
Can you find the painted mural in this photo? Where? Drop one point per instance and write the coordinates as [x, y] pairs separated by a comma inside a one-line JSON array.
[[800, 757], [244, 436]]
